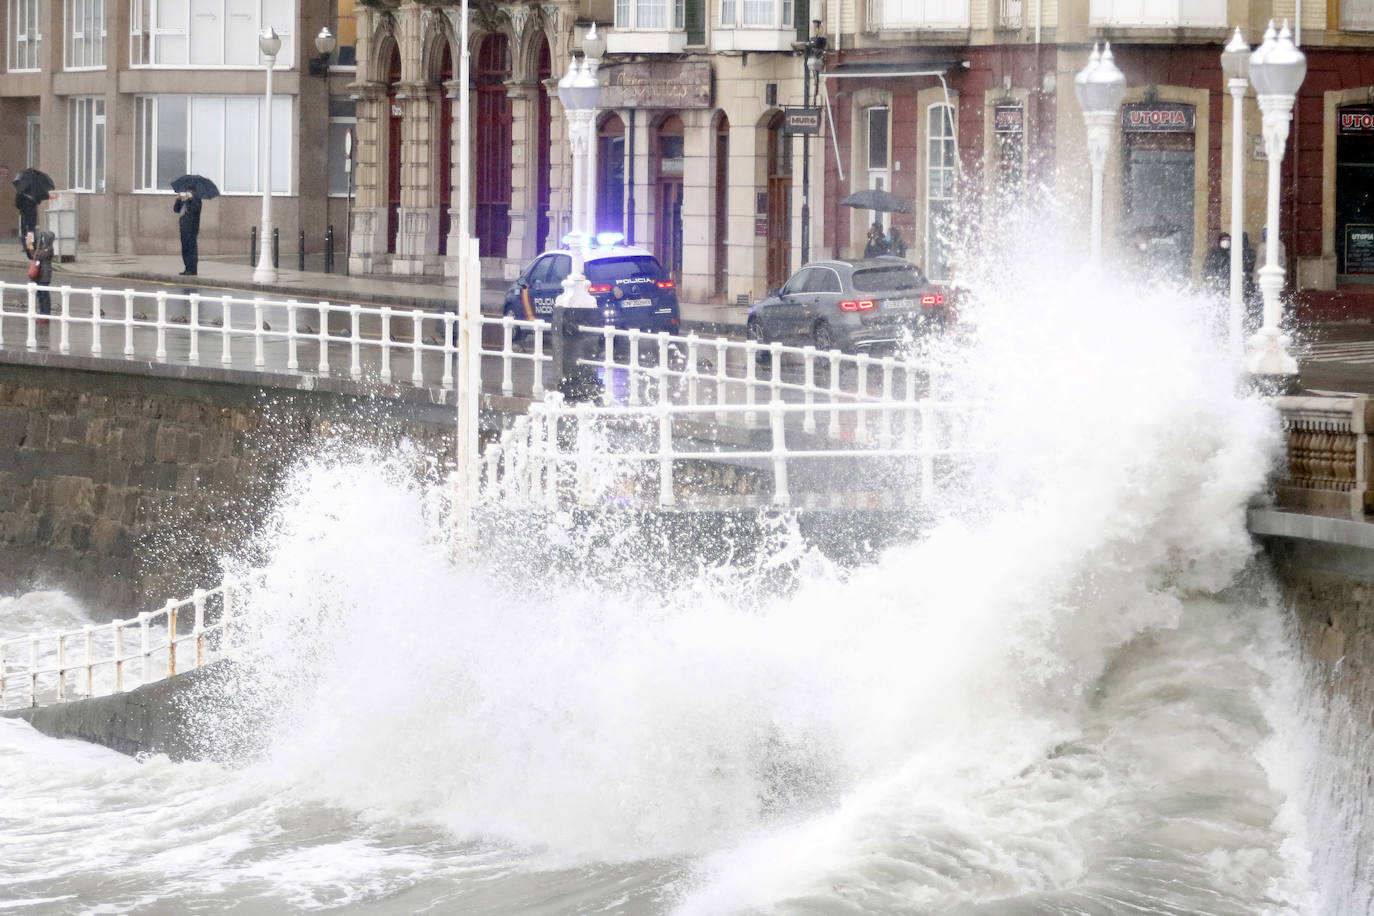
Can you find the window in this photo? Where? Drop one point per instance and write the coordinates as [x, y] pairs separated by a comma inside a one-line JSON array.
[[918, 14], [207, 33], [641, 15], [85, 33], [86, 134], [177, 134], [346, 31], [1159, 13], [1357, 15], [24, 35], [343, 116], [940, 187], [878, 175], [31, 142]]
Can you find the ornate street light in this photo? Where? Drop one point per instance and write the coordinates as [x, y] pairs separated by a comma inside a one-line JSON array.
[[1235, 66], [579, 92], [1277, 69], [1100, 87], [269, 43], [325, 43]]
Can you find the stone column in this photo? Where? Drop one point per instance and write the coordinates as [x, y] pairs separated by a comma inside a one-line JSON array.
[[417, 233], [698, 145], [452, 97], [521, 245], [367, 230]]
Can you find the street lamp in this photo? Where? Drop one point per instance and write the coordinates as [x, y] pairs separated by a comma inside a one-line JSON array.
[[1235, 66], [1100, 87], [269, 42], [811, 81], [578, 91], [325, 43], [1277, 69]]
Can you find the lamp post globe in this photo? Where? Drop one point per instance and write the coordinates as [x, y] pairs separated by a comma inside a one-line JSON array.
[[325, 42], [1277, 69], [269, 43]]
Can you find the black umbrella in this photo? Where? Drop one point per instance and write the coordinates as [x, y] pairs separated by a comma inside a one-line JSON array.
[[873, 199], [198, 185], [34, 184]]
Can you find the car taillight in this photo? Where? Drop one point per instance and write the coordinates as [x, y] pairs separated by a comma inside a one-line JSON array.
[[857, 305], [664, 284], [599, 288], [932, 299]]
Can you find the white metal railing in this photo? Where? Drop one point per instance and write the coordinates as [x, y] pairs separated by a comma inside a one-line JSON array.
[[419, 348], [47, 668], [589, 455]]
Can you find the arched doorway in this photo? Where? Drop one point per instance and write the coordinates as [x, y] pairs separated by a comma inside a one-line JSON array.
[[669, 151], [493, 122], [610, 184], [543, 151], [721, 220], [443, 166], [395, 117], [779, 204]]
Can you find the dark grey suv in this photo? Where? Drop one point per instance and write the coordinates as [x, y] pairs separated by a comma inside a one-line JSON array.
[[850, 304]]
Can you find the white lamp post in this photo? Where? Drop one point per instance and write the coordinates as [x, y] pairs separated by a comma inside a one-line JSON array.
[[269, 42], [1100, 87], [1235, 65], [1277, 69], [593, 46], [578, 91]]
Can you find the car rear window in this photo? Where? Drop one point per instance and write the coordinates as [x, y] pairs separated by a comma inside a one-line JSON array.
[[612, 270], [881, 279]]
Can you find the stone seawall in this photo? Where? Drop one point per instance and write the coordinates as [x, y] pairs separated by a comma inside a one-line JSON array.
[[123, 484]]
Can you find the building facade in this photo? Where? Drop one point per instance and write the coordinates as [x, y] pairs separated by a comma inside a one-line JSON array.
[[115, 98]]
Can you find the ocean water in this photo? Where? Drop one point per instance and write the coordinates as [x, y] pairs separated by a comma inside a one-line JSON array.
[[1075, 694]]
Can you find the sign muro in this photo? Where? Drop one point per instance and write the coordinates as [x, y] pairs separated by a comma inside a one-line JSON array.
[[1158, 118], [656, 84], [1357, 121]]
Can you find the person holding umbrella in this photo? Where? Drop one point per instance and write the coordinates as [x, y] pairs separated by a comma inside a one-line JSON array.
[[191, 190], [31, 188]]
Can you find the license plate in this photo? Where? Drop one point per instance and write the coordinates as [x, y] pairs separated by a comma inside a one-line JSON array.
[[636, 303], [899, 305]]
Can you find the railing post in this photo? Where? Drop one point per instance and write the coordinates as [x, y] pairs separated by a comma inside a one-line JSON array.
[[507, 342], [781, 496], [128, 323], [663, 367], [537, 356], [693, 376], [143, 647], [667, 496], [31, 319], [751, 378], [61, 667], [97, 345], [171, 638], [385, 343], [64, 342], [33, 670], [323, 336], [193, 325], [927, 446], [722, 376], [833, 430], [553, 407], [161, 354], [198, 625], [226, 327], [118, 626], [355, 336], [885, 439], [633, 373], [292, 360], [583, 476], [417, 330], [259, 357], [449, 329], [809, 384], [89, 632]]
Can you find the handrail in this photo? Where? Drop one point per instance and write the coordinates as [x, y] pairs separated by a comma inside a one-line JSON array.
[[417, 348], [39, 668]]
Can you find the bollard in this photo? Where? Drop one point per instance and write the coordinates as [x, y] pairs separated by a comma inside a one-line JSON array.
[[276, 247], [253, 247], [300, 250], [329, 249]]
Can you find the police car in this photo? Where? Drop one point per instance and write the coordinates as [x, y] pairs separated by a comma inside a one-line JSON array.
[[630, 286]]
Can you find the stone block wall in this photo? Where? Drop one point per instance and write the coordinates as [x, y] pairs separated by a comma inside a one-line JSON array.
[[124, 488]]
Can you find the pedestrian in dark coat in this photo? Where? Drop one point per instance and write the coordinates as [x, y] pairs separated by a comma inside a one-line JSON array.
[[1216, 267], [28, 217], [877, 241], [188, 205], [38, 246]]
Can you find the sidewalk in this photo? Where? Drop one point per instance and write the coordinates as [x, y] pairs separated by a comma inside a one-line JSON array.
[[226, 275]]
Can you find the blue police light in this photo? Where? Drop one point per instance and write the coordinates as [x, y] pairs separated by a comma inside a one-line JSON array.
[[610, 238]]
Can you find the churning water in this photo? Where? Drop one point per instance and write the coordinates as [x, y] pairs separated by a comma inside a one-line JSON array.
[[1074, 695]]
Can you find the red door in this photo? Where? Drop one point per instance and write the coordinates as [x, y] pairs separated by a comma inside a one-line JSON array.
[[395, 114], [494, 120], [779, 235]]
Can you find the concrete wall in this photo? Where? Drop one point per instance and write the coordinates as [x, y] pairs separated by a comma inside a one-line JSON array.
[[123, 487]]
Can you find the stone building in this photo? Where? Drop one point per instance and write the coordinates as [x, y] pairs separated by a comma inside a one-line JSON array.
[[115, 99]]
